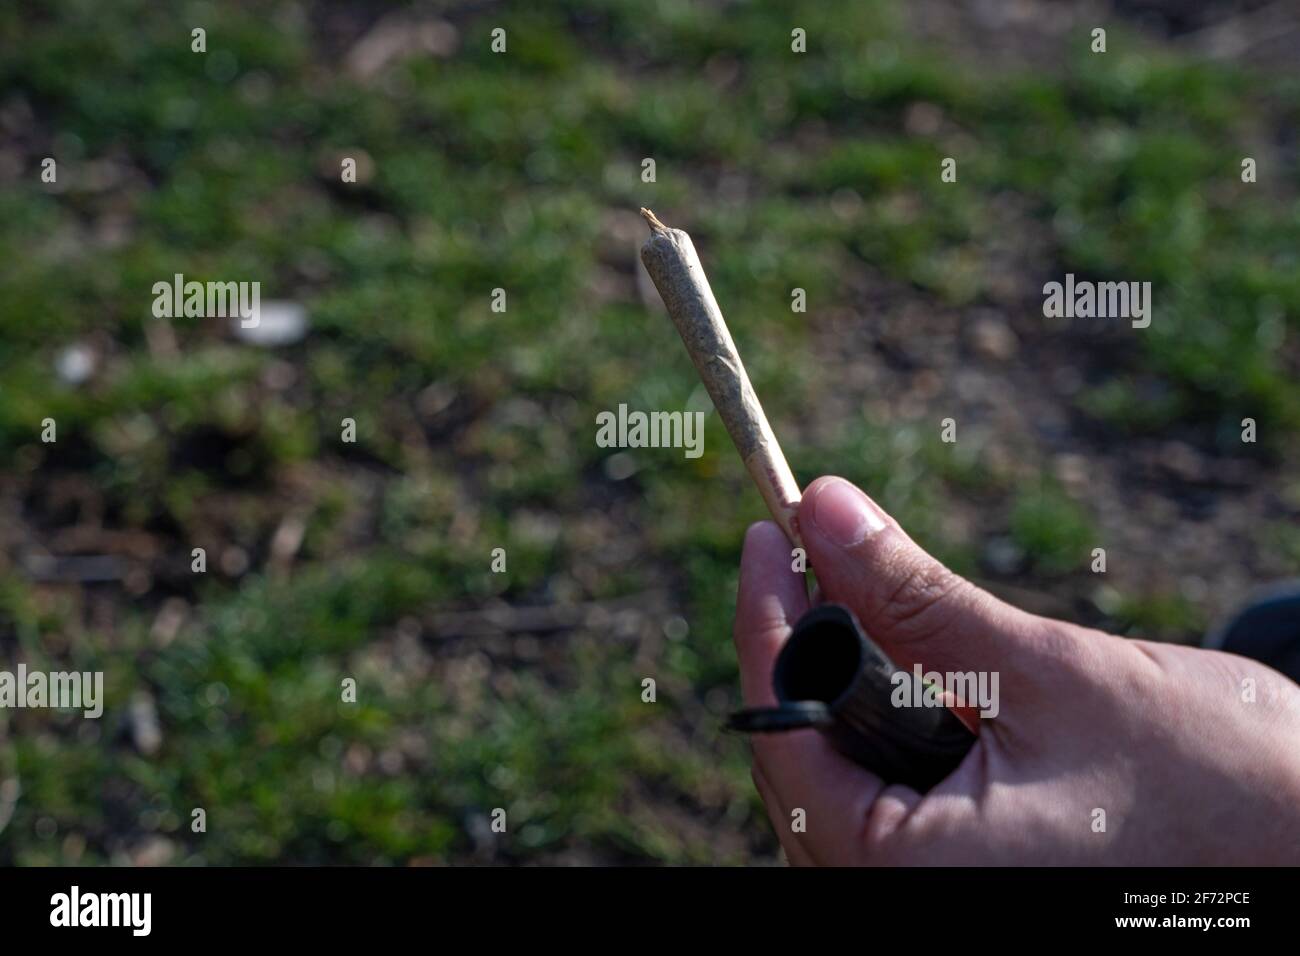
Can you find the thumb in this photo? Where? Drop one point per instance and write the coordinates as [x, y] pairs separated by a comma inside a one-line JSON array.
[[910, 604]]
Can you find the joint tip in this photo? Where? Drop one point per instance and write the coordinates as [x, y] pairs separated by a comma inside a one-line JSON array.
[[652, 220]]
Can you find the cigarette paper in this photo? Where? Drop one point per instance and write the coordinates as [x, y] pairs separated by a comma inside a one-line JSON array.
[[670, 258]]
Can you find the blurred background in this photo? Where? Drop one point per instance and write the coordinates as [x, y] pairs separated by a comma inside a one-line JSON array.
[[476, 430]]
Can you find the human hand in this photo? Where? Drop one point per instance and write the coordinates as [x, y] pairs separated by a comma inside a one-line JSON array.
[[1188, 766]]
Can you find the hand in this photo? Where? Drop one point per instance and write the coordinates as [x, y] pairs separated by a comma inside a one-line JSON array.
[[1163, 739]]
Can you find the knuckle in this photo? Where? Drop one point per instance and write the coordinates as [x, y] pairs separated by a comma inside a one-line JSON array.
[[883, 826], [922, 603]]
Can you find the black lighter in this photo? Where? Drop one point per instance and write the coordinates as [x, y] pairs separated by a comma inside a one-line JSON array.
[[831, 676]]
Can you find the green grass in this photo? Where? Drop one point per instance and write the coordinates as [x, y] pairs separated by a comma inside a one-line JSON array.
[[1051, 529]]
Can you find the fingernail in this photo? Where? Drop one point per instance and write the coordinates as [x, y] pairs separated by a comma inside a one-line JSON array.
[[844, 514]]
